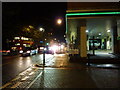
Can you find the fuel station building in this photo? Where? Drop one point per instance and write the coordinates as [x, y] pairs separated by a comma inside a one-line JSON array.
[[93, 26]]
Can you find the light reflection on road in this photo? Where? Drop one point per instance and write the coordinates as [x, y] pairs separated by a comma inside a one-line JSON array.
[[18, 64]]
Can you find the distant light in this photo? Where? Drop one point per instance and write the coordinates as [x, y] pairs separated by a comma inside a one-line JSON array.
[[8, 51], [87, 30], [47, 43], [30, 26], [41, 48], [108, 30], [16, 38], [17, 44], [99, 33], [62, 46], [24, 45], [54, 48], [28, 29], [97, 37], [41, 41], [28, 51], [45, 49], [20, 48], [23, 38], [21, 51]]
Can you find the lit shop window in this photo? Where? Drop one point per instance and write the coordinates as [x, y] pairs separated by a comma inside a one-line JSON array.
[[23, 38], [17, 44], [16, 38]]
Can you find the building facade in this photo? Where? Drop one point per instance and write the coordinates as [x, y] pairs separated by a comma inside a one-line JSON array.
[[19, 43], [93, 26]]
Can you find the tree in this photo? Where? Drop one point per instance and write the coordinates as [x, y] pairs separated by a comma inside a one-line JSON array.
[[32, 32]]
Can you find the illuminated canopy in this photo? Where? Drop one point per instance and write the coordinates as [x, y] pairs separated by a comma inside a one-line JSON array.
[[92, 13]]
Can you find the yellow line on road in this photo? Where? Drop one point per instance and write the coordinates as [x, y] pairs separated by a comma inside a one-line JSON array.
[[5, 85], [17, 84], [15, 78]]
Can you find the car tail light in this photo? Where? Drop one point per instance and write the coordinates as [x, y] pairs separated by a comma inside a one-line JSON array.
[[8, 51]]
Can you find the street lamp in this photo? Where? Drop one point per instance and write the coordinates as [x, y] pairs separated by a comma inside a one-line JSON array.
[[59, 21], [42, 29]]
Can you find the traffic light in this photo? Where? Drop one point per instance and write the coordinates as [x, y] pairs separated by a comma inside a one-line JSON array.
[[47, 43]]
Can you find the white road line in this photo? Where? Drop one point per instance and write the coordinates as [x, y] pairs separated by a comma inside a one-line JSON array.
[[23, 79], [17, 84], [34, 80], [31, 73]]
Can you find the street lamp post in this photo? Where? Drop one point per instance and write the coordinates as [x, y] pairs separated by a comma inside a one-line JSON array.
[[42, 30], [44, 53]]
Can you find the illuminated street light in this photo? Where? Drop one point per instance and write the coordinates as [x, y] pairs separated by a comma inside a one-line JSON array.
[[42, 29], [59, 21]]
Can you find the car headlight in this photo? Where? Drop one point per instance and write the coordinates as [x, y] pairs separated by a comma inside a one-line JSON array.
[[28, 51], [21, 51]]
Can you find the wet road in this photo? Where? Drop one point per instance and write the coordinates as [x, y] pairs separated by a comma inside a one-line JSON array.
[[13, 65], [64, 74]]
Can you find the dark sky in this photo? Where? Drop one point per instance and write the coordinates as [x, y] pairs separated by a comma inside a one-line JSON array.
[[34, 13]]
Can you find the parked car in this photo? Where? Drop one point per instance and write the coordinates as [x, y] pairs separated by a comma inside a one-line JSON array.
[[28, 51]]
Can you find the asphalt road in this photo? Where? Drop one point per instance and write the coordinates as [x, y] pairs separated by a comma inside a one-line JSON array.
[[61, 73], [13, 65]]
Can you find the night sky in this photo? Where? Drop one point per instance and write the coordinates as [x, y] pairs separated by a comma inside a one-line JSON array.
[[38, 14]]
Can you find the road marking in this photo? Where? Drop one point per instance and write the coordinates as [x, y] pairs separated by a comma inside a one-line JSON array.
[[16, 78], [17, 84], [5, 85], [29, 69], [25, 78], [34, 80], [31, 73]]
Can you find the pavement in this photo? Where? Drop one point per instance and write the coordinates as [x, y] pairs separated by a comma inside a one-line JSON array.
[[61, 72], [98, 60]]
